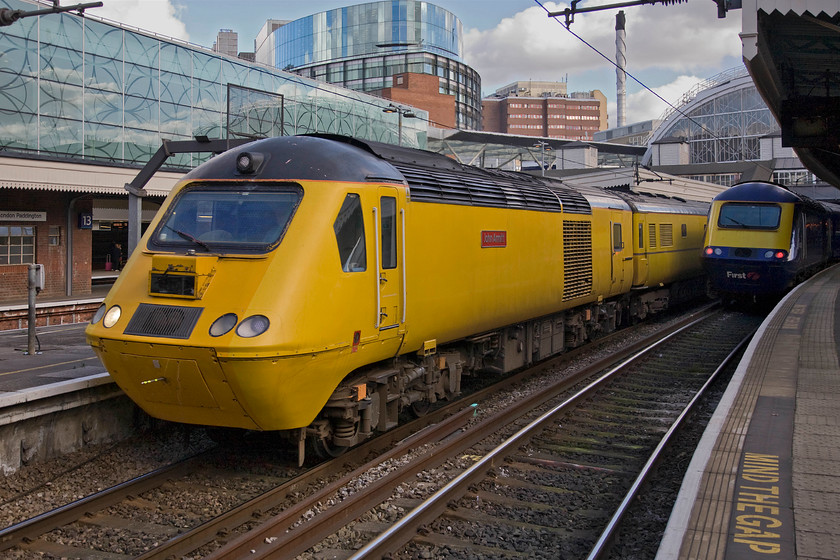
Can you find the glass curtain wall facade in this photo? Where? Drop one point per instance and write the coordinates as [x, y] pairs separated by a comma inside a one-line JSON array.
[[78, 88], [361, 47], [723, 123]]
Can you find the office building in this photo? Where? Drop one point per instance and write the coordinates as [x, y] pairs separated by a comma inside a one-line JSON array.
[[363, 47], [545, 109]]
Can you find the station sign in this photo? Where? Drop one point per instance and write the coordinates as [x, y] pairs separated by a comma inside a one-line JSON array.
[[85, 220], [22, 216]]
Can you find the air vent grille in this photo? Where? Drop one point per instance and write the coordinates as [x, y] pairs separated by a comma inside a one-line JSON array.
[[577, 259], [492, 188], [163, 321]]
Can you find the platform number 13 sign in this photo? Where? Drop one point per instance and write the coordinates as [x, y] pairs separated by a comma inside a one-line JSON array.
[[85, 220]]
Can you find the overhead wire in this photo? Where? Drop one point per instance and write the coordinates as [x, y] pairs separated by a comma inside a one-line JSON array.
[[634, 78], [676, 109]]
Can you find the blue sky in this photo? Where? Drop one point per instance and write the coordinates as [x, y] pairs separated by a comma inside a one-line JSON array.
[[669, 48]]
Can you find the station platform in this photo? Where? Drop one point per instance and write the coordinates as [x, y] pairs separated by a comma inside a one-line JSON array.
[[764, 481], [57, 310], [61, 353], [61, 361]]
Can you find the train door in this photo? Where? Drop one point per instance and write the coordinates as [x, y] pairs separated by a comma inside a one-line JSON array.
[[619, 251], [389, 220], [640, 269]]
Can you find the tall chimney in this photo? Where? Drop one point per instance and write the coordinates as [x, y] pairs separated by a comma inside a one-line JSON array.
[[621, 64]]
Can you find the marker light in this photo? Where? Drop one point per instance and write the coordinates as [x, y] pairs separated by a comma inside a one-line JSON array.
[[781, 254], [98, 315], [252, 326], [709, 250], [223, 324], [248, 162], [111, 317]]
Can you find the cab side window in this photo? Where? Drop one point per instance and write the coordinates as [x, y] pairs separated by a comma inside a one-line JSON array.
[[349, 229]]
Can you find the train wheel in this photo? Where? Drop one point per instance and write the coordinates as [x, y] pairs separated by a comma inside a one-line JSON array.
[[323, 448], [420, 408], [323, 444]]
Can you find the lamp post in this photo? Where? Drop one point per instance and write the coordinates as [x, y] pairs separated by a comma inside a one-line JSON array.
[[543, 146], [401, 112]]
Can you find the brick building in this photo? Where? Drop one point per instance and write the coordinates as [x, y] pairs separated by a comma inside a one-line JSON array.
[[421, 90], [37, 225], [528, 110]]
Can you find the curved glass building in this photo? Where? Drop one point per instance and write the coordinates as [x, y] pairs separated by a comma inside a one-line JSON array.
[[362, 47]]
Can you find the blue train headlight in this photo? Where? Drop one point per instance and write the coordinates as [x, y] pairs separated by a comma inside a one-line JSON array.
[[253, 326], [111, 317], [98, 315], [223, 324]]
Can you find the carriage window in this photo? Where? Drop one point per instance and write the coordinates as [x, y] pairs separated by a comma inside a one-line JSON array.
[[349, 229], [618, 244], [684, 230], [389, 232], [749, 216], [641, 236]]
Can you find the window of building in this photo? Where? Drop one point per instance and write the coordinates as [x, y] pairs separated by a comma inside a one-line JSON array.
[[55, 235], [17, 245]]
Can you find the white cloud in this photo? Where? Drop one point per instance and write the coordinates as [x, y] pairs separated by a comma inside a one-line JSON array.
[[643, 105], [662, 42], [160, 16]]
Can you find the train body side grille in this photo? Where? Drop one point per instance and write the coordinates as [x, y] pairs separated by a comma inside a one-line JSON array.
[[163, 321], [577, 259]]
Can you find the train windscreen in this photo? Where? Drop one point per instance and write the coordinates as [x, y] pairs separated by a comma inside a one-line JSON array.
[[219, 219], [737, 215]]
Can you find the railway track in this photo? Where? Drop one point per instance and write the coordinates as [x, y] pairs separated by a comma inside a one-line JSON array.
[[288, 510], [548, 490]]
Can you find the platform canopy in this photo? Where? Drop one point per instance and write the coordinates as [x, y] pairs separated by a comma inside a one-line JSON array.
[[792, 51]]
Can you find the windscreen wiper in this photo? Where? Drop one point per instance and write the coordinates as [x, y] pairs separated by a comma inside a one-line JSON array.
[[191, 237]]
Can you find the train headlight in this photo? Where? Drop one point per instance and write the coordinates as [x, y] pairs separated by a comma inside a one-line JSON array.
[[253, 326], [111, 317], [98, 315], [223, 324]]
